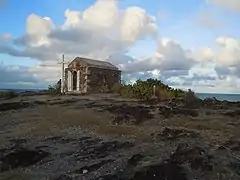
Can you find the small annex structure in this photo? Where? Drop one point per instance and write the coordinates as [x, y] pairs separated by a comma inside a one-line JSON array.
[[90, 76]]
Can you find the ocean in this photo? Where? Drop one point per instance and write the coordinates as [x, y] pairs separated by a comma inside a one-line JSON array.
[[222, 97], [228, 97], [20, 90]]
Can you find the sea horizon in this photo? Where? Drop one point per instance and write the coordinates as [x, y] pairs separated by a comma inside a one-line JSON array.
[[219, 96]]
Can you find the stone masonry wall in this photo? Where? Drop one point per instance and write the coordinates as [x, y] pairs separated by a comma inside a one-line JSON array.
[[102, 80], [75, 66], [95, 80]]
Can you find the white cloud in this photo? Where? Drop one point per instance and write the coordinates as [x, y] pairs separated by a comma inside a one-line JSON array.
[[47, 73], [102, 14], [203, 56], [230, 85], [102, 31], [137, 24], [98, 32], [203, 69], [37, 29], [17, 77], [169, 56], [228, 55]]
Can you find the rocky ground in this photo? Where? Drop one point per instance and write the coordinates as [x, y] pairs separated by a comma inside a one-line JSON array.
[[107, 138]]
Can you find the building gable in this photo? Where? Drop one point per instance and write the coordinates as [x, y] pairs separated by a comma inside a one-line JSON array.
[[92, 63]]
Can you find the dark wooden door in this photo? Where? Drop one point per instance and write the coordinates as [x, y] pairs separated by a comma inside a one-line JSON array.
[[74, 80]]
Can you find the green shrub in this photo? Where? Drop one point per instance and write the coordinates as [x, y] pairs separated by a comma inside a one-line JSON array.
[[191, 99], [144, 90], [126, 91], [55, 88], [165, 94]]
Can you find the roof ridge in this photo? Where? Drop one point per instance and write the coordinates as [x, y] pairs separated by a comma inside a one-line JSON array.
[[96, 63], [95, 60]]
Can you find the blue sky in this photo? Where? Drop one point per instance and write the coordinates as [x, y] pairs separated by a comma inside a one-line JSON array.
[[180, 21], [173, 25]]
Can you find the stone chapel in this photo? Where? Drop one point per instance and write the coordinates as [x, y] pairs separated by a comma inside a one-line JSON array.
[[90, 76]]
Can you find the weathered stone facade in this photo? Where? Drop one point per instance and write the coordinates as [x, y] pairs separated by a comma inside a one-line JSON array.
[[102, 80], [90, 76]]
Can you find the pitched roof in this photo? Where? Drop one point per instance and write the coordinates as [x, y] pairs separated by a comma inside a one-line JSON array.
[[95, 63]]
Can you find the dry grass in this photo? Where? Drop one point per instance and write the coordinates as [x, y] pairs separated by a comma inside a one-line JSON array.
[[201, 124], [50, 120], [214, 130]]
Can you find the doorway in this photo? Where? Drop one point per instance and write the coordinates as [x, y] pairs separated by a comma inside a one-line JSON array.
[[74, 80]]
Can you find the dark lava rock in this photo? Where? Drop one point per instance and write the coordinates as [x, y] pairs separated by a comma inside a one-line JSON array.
[[93, 105], [17, 143], [21, 158], [111, 177], [168, 112], [101, 150], [40, 102], [93, 167], [210, 101], [152, 101], [235, 113], [104, 147], [63, 177], [63, 102], [121, 119], [232, 144], [124, 112], [196, 156], [173, 133], [169, 171], [188, 112], [135, 159], [165, 111], [13, 105], [172, 168], [235, 166]]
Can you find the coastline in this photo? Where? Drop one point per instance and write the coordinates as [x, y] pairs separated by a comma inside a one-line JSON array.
[[219, 96]]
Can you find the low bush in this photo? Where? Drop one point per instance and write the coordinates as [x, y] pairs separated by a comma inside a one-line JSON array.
[[191, 99], [54, 89], [144, 90]]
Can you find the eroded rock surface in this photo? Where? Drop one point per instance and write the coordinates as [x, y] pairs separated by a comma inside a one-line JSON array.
[[21, 158], [71, 138]]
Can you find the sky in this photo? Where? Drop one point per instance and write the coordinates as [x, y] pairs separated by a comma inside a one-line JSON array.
[[188, 44]]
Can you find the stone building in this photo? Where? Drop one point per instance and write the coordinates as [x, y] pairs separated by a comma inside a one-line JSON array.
[[90, 76]]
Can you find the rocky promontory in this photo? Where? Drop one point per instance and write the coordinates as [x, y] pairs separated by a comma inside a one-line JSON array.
[[106, 137]]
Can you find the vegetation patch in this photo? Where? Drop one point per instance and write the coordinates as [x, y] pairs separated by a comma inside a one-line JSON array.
[[150, 88], [55, 88], [141, 90]]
